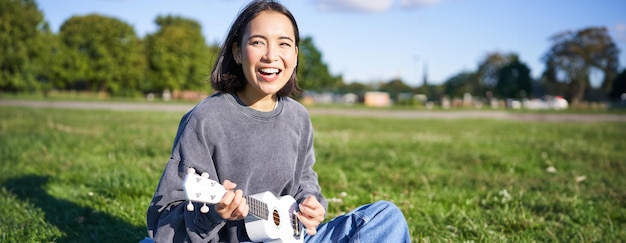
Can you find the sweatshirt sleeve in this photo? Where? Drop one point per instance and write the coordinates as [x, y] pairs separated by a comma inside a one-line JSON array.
[[168, 219], [309, 184]]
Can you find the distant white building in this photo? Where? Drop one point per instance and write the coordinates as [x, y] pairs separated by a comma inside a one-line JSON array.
[[548, 103], [377, 99]]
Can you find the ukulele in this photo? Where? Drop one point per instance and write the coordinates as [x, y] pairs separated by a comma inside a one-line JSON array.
[[270, 219]]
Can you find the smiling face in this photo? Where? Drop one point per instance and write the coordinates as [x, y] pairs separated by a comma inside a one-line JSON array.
[[268, 55]]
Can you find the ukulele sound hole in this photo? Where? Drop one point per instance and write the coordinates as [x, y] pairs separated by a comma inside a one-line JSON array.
[[276, 218]]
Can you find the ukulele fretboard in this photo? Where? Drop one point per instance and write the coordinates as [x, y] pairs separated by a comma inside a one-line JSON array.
[[258, 208]]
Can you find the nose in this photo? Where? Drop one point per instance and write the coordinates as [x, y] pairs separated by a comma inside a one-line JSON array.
[[271, 54]]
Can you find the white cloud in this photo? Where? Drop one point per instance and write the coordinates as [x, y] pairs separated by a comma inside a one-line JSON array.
[[620, 32], [417, 3], [354, 5], [370, 6]]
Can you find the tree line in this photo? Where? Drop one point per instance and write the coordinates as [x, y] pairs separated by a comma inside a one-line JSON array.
[[98, 53], [573, 60]]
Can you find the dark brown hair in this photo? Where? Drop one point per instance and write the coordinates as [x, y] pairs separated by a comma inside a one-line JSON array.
[[227, 76]]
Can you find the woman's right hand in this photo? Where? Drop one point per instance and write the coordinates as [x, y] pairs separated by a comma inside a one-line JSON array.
[[232, 206]]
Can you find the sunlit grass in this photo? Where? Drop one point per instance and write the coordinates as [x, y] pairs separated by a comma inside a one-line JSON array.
[[81, 175]]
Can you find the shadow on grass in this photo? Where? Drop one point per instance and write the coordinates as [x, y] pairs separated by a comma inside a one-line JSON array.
[[78, 223]]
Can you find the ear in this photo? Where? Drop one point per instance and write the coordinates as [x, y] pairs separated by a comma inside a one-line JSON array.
[[236, 53], [296, 56]]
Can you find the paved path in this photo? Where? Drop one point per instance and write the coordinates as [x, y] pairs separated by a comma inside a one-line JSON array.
[[407, 114]]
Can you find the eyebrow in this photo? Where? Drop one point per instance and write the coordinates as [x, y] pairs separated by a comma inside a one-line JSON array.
[[263, 37]]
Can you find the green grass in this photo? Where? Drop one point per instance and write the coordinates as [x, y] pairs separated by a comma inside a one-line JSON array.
[[88, 176]]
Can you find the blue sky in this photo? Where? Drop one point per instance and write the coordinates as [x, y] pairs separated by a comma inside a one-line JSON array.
[[378, 40]]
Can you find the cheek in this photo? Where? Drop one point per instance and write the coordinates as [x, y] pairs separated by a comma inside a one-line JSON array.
[[290, 58], [251, 54], [248, 56]]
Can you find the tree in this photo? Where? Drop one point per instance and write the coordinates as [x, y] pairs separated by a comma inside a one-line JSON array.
[[514, 81], [619, 86], [20, 43], [313, 73], [355, 88], [178, 56], [46, 63], [490, 66], [575, 55], [395, 87], [107, 53], [460, 84]]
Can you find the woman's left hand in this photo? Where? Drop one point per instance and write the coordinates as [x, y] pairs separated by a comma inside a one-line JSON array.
[[311, 214]]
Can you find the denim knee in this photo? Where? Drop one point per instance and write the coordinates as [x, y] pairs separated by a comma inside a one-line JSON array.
[[387, 208]]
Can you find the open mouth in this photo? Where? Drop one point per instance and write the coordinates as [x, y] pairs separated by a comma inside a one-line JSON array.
[[269, 71]]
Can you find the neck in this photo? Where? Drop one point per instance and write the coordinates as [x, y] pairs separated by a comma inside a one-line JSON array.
[[257, 208], [260, 103]]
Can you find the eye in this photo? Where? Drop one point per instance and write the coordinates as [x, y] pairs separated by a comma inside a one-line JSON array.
[[285, 44], [257, 43]]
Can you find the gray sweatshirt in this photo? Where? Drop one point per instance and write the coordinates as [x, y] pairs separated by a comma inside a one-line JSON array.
[[259, 151]]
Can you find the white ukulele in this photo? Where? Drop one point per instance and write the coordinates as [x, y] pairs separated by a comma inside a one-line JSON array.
[[269, 219]]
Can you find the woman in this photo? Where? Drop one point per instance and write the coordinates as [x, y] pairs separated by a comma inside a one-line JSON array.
[[251, 133]]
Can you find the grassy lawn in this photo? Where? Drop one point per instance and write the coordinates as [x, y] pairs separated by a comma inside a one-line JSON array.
[[88, 176]]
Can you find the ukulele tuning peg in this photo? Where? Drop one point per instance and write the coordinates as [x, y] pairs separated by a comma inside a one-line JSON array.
[[190, 207], [204, 208], [205, 175], [191, 171]]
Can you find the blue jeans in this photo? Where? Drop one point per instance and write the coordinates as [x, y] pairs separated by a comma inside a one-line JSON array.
[[378, 222], [381, 221]]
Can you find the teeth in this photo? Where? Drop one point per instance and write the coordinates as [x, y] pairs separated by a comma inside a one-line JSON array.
[[269, 70]]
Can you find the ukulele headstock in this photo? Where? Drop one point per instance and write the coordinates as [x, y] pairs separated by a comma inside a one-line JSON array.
[[199, 188]]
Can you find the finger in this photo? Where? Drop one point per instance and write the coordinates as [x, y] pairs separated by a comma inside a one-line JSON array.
[[244, 208], [234, 199], [310, 204], [310, 201], [306, 212], [237, 206], [309, 224], [226, 200], [311, 208], [222, 208], [237, 198], [229, 185], [240, 212]]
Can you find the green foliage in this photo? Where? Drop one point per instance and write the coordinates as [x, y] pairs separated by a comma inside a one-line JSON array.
[[106, 51], [20, 44], [355, 88], [313, 73], [103, 54], [89, 175], [619, 86], [460, 84], [99, 54], [489, 67], [178, 57], [395, 87], [514, 81], [575, 54]]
